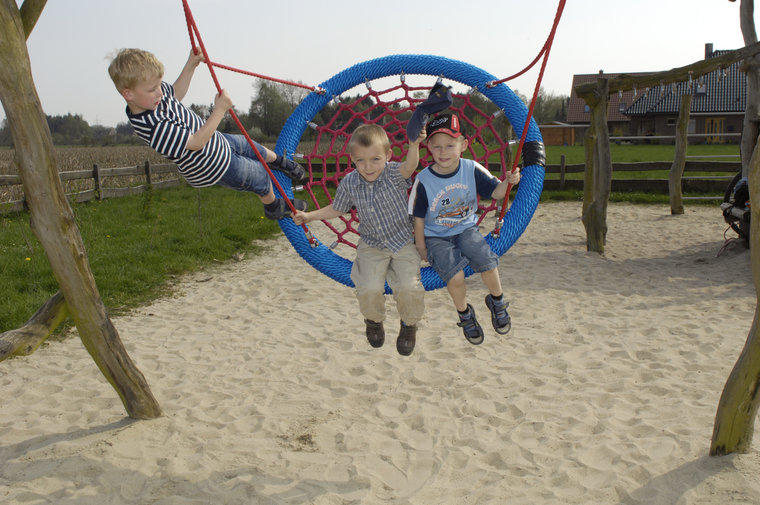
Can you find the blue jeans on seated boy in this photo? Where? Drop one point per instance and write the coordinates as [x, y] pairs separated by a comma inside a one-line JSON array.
[[449, 255]]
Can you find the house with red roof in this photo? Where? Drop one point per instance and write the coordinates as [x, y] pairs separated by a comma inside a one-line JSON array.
[[717, 107]]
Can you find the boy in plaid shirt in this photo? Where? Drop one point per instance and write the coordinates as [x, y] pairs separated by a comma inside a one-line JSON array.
[[378, 188]]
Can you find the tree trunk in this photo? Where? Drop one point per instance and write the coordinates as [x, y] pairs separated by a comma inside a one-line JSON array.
[[595, 215], [53, 221], [679, 159], [735, 418]]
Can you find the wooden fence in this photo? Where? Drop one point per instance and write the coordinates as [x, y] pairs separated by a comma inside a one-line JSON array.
[[143, 175], [713, 185]]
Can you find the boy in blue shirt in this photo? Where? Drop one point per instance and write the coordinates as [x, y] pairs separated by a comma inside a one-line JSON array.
[[204, 156], [386, 252], [444, 201]]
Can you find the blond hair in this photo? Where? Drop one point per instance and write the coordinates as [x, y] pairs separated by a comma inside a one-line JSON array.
[[368, 135], [132, 66]]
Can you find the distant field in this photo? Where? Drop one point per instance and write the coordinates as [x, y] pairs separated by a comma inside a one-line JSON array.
[[78, 158]]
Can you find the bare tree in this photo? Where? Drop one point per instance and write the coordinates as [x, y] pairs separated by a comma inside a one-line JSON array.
[[52, 219]]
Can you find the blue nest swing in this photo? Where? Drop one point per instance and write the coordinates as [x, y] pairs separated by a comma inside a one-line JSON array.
[[526, 198]]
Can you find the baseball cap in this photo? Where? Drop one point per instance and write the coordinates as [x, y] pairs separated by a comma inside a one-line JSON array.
[[445, 123], [438, 99]]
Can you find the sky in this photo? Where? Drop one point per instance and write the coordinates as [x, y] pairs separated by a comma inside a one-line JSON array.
[[309, 42]]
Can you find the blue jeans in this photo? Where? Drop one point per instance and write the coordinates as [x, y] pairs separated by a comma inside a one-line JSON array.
[[245, 173], [449, 255]]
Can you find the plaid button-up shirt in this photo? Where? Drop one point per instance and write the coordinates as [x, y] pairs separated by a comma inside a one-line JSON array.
[[384, 222]]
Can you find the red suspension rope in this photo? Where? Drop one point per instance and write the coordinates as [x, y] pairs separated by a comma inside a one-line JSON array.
[[195, 33], [191, 26], [545, 52]]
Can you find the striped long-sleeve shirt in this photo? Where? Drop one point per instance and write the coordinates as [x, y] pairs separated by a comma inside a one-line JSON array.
[[167, 129]]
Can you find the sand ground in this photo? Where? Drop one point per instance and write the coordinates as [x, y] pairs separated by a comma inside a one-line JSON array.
[[604, 392]]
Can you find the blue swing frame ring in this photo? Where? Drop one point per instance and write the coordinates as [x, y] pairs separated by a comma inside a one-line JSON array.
[[529, 190]]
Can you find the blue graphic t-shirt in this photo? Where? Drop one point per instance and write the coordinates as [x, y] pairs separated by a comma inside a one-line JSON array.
[[449, 203]]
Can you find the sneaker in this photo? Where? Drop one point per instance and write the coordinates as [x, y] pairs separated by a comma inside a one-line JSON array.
[[470, 326], [407, 336], [375, 333], [283, 210], [500, 319], [293, 170]]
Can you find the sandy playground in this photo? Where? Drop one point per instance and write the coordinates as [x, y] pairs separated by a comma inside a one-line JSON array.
[[604, 392]]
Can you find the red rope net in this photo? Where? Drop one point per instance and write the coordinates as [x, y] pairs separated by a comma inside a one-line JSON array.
[[328, 162]]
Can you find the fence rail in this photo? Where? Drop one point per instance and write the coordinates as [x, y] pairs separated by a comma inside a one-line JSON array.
[[706, 184], [144, 175]]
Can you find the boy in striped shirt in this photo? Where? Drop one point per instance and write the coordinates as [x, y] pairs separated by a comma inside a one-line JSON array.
[[204, 156]]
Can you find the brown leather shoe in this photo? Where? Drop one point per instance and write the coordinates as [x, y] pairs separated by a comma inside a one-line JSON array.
[[375, 333], [407, 336]]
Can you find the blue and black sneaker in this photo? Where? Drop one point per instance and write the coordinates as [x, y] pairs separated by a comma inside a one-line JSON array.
[[470, 326], [281, 210], [500, 319], [293, 170]]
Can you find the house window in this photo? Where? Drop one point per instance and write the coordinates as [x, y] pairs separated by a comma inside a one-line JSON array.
[[671, 121], [701, 89], [621, 107], [586, 108]]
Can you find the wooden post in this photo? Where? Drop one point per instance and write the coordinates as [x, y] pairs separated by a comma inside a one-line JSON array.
[[739, 402], [734, 421], [25, 340], [675, 179], [147, 173], [562, 172], [589, 143], [53, 222], [595, 212], [96, 179]]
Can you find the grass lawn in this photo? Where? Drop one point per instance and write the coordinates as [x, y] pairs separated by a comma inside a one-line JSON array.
[[136, 246]]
